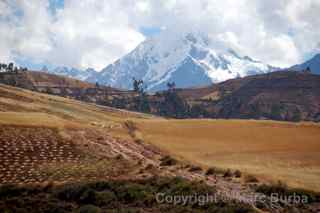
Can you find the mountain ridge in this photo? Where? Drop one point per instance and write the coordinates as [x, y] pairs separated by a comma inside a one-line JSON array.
[[313, 64], [158, 60]]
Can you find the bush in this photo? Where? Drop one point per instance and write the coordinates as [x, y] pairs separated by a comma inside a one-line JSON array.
[[210, 171], [119, 157], [282, 189], [251, 179], [237, 174], [215, 170], [71, 192], [195, 169], [150, 167], [131, 126], [104, 198], [113, 194], [227, 174], [168, 161], [131, 193], [89, 209]]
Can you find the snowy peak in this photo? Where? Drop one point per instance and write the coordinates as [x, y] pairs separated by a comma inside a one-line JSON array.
[[189, 59], [82, 75], [313, 64]]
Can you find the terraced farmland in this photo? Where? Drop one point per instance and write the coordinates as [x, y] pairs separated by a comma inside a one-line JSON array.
[[23, 150]]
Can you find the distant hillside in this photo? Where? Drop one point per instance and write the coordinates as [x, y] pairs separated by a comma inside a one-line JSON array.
[[60, 85], [283, 95]]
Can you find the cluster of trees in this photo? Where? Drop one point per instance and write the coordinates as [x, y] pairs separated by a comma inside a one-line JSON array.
[[172, 105], [168, 103], [11, 67], [141, 102]]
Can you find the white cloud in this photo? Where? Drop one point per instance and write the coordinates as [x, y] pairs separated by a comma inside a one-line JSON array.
[[83, 34], [93, 33]]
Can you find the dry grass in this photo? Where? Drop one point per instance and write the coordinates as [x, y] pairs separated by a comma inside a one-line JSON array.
[[271, 150], [41, 137]]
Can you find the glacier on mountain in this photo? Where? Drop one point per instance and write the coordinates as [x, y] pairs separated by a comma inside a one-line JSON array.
[[187, 59]]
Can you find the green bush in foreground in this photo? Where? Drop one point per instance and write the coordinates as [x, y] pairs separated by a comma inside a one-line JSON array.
[[107, 195], [282, 189]]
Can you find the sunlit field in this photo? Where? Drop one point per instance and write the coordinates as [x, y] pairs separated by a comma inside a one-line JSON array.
[[271, 150]]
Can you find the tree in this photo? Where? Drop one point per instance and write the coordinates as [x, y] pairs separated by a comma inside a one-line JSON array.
[[296, 116], [173, 105], [10, 67], [308, 70], [138, 85], [141, 103], [171, 86], [198, 111]]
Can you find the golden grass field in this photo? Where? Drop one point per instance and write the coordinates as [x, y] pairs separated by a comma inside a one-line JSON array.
[[271, 150]]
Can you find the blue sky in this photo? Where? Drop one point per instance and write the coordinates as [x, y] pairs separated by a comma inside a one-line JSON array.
[[56, 4]]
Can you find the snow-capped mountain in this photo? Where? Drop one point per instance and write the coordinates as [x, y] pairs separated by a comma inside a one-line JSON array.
[[187, 59], [82, 75], [313, 64]]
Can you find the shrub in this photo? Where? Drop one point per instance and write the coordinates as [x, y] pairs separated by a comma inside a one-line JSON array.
[[227, 174], [237, 174], [131, 126], [215, 170], [168, 161], [149, 167], [210, 171], [135, 195], [230, 207], [119, 157], [131, 193], [104, 198], [195, 169], [80, 193], [251, 179], [89, 209], [282, 189]]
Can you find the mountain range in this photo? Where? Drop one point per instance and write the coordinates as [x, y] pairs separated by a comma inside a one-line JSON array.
[[72, 72], [189, 60]]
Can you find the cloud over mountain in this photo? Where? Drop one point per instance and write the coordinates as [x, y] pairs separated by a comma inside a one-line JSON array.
[[94, 33]]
